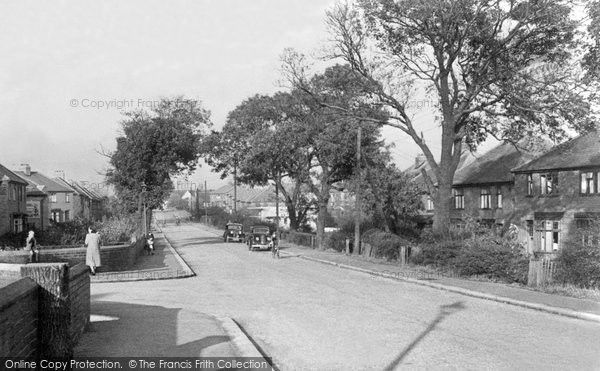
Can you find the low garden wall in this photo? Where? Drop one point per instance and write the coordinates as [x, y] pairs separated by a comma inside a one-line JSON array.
[[19, 319], [45, 311], [114, 258]]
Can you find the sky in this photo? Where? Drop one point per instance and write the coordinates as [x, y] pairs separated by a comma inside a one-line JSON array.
[[69, 68]]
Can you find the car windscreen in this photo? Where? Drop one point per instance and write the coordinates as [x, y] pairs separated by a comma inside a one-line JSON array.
[[261, 230], [235, 227]]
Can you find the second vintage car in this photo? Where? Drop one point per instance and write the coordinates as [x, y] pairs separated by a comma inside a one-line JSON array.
[[233, 232], [259, 238]]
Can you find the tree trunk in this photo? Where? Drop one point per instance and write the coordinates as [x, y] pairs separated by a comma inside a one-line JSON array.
[[321, 221], [442, 203]]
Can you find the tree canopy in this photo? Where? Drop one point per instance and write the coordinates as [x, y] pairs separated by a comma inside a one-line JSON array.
[[155, 146]]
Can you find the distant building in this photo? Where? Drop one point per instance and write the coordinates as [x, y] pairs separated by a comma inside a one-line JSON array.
[[13, 202], [60, 197]]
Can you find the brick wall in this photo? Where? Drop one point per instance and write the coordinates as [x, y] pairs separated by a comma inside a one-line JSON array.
[[19, 319], [113, 258], [51, 306], [79, 292], [472, 204]]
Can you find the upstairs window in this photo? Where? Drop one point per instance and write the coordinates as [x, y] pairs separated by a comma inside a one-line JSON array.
[[53, 197], [67, 197], [589, 182], [529, 184], [459, 199], [485, 199], [549, 183]]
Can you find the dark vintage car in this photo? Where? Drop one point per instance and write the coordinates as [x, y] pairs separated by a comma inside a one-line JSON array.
[[233, 232], [259, 238]]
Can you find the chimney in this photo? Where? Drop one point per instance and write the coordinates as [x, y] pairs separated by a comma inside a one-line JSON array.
[[420, 160], [26, 169]]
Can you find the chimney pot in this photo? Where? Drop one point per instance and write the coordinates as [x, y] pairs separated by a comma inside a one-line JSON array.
[[26, 169]]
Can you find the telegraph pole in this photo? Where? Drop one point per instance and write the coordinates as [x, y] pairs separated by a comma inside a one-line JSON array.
[[356, 249], [205, 203], [234, 188]]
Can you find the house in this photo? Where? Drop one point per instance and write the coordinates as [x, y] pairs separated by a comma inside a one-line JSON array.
[[60, 197], [483, 189], [38, 212], [81, 200], [415, 174], [558, 192], [13, 202]]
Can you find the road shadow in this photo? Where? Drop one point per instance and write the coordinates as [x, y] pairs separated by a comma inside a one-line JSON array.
[[129, 330], [445, 311]]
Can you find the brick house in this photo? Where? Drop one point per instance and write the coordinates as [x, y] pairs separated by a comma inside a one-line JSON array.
[[37, 208], [13, 202], [483, 189], [60, 198], [558, 192]]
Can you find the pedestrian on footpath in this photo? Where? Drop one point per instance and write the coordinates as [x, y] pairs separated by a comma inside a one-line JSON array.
[[92, 255], [31, 246]]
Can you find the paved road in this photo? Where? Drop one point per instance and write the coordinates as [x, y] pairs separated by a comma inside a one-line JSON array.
[[312, 316]]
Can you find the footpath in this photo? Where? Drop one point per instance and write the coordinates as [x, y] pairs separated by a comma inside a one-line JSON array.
[[131, 329]]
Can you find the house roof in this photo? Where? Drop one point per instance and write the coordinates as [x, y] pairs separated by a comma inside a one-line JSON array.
[[66, 184], [495, 165], [580, 152], [415, 174], [47, 184], [11, 175]]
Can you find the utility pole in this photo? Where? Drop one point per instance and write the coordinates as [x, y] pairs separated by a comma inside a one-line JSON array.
[[234, 188], [356, 249], [277, 206], [205, 203]]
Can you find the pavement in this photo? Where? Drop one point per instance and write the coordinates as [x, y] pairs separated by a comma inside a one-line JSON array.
[[132, 329]]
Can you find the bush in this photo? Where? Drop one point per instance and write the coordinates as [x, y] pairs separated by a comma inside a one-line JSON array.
[[384, 244], [118, 229], [495, 261], [303, 239], [335, 240], [476, 250], [436, 253], [579, 264]]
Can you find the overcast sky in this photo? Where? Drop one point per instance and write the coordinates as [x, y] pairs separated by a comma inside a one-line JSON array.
[[62, 60]]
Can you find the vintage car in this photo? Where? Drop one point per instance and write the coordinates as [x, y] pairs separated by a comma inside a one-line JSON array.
[[233, 232], [259, 238]]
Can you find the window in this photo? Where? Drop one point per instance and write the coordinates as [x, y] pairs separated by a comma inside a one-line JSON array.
[[529, 184], [499, 199], [56, 216], [52, 197], [67, 197], [18, 225], [485, 199], [429, 204], [589, 182], [549, 183], [549, 233], [13, 192], [459, 199], [67, 215], [530, 228], [587, 230]]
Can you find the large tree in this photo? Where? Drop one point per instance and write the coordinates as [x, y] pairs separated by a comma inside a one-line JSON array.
[[332, 133], [153, 147], [258, 140], [476, 59]]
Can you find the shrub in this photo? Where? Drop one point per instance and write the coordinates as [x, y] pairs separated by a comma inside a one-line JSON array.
[[384, 244], [436, 253], [492, 260], [578, 263], [335, 240], [118, 229], [303, 239]]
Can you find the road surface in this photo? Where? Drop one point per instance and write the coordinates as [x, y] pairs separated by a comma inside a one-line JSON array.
[[309, 316]]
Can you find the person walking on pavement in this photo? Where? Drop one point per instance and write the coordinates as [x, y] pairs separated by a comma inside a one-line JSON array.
[[92, 255], [31, 246]]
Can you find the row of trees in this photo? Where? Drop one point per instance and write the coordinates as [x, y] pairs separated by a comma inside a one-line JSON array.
[[307, 148], [496, 68]]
